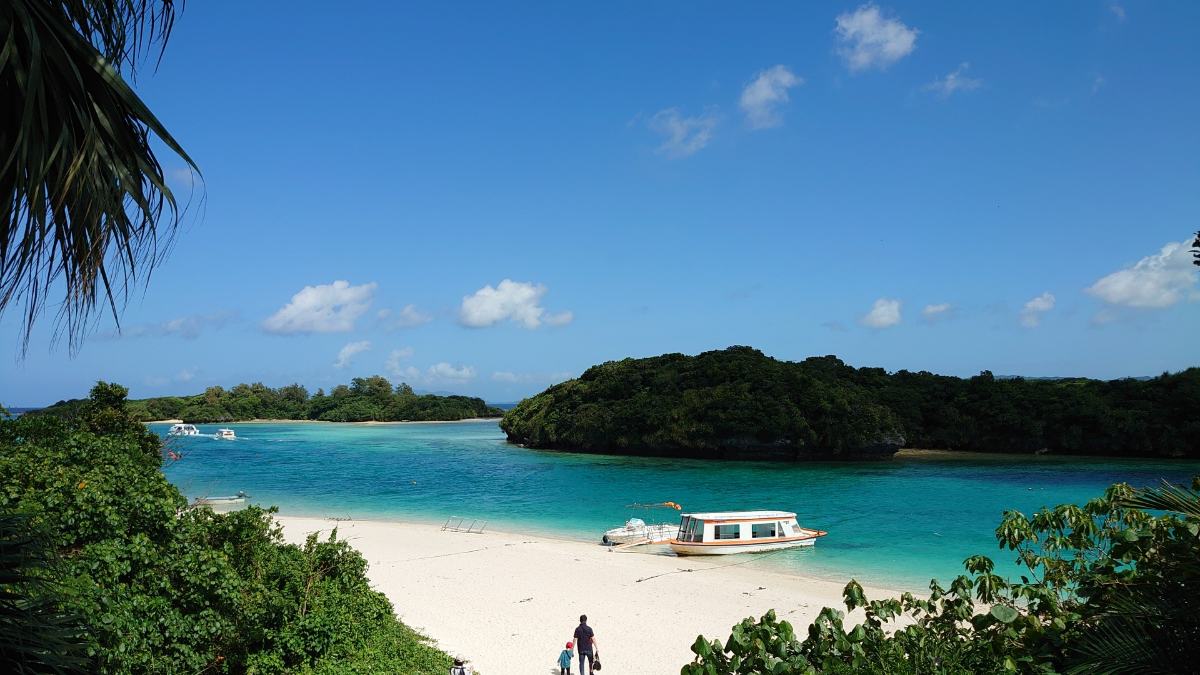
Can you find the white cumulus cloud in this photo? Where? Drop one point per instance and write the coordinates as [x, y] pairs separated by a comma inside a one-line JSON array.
[[343, 357], [516, 301], [953, 82], [409, 317], [934, 313], [1031, 315], [761, 97], [884, 314], [869, 40], [398, 356], [444, 372], [685, 135], [331, 308], [1154, 282]]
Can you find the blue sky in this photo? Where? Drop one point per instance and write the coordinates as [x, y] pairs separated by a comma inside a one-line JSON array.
[[488, 199]]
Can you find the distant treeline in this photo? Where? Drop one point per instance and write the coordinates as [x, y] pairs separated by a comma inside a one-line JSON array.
[[369, 399], [738, 402]]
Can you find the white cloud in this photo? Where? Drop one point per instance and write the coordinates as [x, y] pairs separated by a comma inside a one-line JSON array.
[[1031, 316], [1154, 282], [443, 372], [516, 301], [350, 350], [1098, 82], [953, 82], [187, 327], [884, 314], [551, 378], [185, 375], [392, 364], [409, 317], [871, 41], [329, 308], [934, 313], [761, 96], [685, 135], [1118, 10]]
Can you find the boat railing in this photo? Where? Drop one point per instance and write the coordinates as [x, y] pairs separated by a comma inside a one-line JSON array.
[[460, 524]]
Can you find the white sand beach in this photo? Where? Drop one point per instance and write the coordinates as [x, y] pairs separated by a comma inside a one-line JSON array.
[[509, 602]]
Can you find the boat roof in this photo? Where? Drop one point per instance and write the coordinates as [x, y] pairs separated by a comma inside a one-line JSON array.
[[741, 515]]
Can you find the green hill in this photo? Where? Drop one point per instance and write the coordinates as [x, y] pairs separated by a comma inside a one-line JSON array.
[[370, 399], [738, 403]]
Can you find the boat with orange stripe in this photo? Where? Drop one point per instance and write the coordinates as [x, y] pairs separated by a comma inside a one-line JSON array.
[[728, 532]]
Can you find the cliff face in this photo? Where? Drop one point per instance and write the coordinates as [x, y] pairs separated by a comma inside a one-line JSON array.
[[731, 404]]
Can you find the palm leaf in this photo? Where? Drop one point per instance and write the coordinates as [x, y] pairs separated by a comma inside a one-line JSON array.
[[85, 203], [1173, 498]]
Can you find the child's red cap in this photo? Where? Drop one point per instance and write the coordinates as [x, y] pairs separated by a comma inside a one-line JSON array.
[[570, 644]]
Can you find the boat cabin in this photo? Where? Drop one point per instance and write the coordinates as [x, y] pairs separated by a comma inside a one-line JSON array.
[[740, 532]]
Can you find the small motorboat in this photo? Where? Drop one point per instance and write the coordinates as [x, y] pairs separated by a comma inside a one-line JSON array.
[[239, 498], [225, 433], [183, 430], [740, 532], [636, 529]]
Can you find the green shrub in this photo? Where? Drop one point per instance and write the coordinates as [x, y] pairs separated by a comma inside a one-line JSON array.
[[163, 588]]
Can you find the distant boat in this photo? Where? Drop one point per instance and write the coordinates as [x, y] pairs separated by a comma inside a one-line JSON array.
[[740, 532], [183, 430], [225, 433], [239, 498]]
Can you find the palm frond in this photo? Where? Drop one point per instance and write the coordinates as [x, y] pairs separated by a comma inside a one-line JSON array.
[[36, 636], [83, 199], [1173, 498]]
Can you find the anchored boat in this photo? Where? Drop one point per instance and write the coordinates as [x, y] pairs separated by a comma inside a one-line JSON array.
[[239, 498], [740, 532], [636, 531]]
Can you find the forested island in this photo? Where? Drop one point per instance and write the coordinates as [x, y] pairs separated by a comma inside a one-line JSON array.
[[365, 399], [738, 403]]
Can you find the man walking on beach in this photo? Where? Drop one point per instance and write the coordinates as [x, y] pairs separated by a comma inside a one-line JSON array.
[[585, 642]]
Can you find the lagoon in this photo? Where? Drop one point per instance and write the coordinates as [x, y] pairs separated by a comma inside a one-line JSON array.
[[891, 524]]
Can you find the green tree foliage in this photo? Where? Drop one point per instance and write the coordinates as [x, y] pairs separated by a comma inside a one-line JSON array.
[[364, 400], [731, 403], [163, 588], [724, 399], [1108, 589]]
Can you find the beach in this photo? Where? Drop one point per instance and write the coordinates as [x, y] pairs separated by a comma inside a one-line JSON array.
[[510, 602]]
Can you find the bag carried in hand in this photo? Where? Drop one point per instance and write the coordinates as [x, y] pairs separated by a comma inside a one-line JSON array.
[[596, 663]]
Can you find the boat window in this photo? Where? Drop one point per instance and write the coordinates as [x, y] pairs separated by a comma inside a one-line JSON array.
[[727, 532], [684, 528], [761, 530], [697, 531]]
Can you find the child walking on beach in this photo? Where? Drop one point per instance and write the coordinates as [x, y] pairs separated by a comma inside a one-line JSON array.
[[564, 660]]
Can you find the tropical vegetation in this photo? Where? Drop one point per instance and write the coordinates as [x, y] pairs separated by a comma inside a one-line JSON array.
[[85, 209], [105, 568], [738, 402], [1106, 588], [365, 399]]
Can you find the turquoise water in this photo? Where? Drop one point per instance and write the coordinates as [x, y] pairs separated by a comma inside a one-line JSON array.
[[895, 524]]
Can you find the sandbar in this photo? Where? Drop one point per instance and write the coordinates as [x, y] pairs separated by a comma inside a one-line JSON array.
[[509, 602]]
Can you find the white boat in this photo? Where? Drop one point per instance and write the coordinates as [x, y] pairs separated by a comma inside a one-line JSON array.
[[636, 529], [183, 430], [239, 498], [225, 433], [740, 532]]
